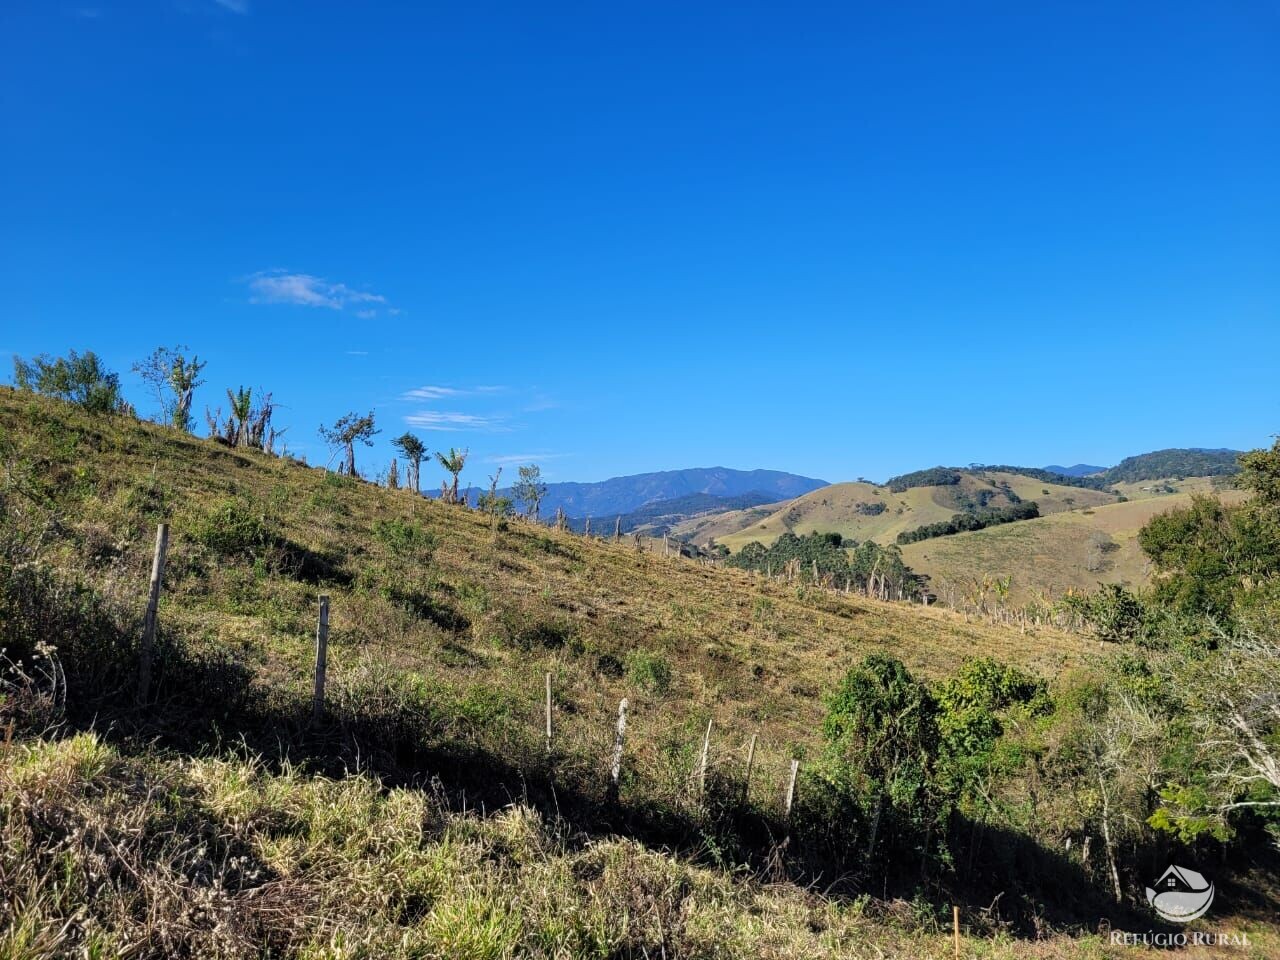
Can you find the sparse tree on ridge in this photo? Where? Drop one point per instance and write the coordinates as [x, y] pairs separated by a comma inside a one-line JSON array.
[[349, 430], [173, 379], [453, 462], [530, 490], [393, 476], [415, 451]]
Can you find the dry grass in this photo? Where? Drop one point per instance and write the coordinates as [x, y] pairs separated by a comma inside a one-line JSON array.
[[1074, 549], [106, 856]]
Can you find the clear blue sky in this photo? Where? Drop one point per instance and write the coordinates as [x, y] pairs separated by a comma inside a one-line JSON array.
[[846, 239]]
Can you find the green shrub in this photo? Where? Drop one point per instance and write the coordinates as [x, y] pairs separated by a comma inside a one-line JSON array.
[[234, 531], [649, 671]]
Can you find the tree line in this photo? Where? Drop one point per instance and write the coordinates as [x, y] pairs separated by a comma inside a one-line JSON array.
[[960, 522]]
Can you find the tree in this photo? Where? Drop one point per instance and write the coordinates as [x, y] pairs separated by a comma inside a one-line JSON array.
[[415, 451], [453, 462], [493, 503], [349, 430], [393, 476], [78, 378], [173, 378], [530, 490], [881, 726]]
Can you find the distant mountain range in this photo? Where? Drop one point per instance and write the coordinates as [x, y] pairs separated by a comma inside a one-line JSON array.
[[1077, 470], [656, 518], [622, 495]]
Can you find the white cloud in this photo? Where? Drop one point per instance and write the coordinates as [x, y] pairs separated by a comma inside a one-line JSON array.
[[357, 353], [235, 6], [305, 290], [507, 459], [433, 393], [453, 422]]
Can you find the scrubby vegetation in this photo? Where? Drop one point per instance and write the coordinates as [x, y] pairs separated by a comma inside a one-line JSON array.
[[976, 520]]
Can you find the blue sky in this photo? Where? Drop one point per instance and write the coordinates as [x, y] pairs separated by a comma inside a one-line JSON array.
[[846, 239]]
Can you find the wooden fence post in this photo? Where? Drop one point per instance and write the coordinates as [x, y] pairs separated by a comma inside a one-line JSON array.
[[322, 659], [955, 928], [751, 759], [791, 787], [152, 614], [548, 712], [702, 767], [615, 770]]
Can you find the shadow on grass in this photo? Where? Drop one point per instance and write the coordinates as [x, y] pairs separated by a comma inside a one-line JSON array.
[[206, 702]]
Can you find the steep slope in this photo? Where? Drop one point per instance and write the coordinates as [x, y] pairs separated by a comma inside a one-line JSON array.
[[461, 620]]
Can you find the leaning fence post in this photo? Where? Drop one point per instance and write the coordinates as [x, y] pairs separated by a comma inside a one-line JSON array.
[[615, 771], [751, 759], [548, 712], [702, 767], [153, 609], [322, 654], [791, 787]]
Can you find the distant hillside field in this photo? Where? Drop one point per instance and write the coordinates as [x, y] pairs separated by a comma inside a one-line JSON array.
[[865, 511], [1079, 548]]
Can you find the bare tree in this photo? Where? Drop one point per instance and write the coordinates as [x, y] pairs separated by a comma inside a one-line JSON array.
[[173, 378]]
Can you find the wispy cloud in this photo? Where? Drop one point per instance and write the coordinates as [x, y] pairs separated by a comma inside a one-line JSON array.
[[436, 392], [235, 6], [306, 290], [430, 392], [357, 353], [507, 459], [453, 422]]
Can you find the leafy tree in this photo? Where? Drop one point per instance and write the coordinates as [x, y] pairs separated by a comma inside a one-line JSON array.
[[174, 379], [78, 378], [882, 732], [453, 462], [415, 451], [530, 490], [349, 430]]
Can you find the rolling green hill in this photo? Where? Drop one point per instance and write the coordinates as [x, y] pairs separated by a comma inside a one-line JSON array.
[[1076, 549], [864, 511]]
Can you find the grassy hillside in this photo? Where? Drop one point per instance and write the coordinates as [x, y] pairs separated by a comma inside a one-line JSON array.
[[864, 511], [423, 815], [461, 623], [1079, 548]]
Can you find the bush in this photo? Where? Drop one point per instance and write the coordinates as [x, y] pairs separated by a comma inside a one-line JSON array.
[[649, 671], [232, 530], [78, 378]]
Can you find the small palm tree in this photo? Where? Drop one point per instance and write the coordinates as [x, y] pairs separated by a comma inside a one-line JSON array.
[[241, 406], [453, 462]]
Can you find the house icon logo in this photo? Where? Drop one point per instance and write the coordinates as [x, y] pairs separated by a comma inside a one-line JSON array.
[[1180, 895]]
